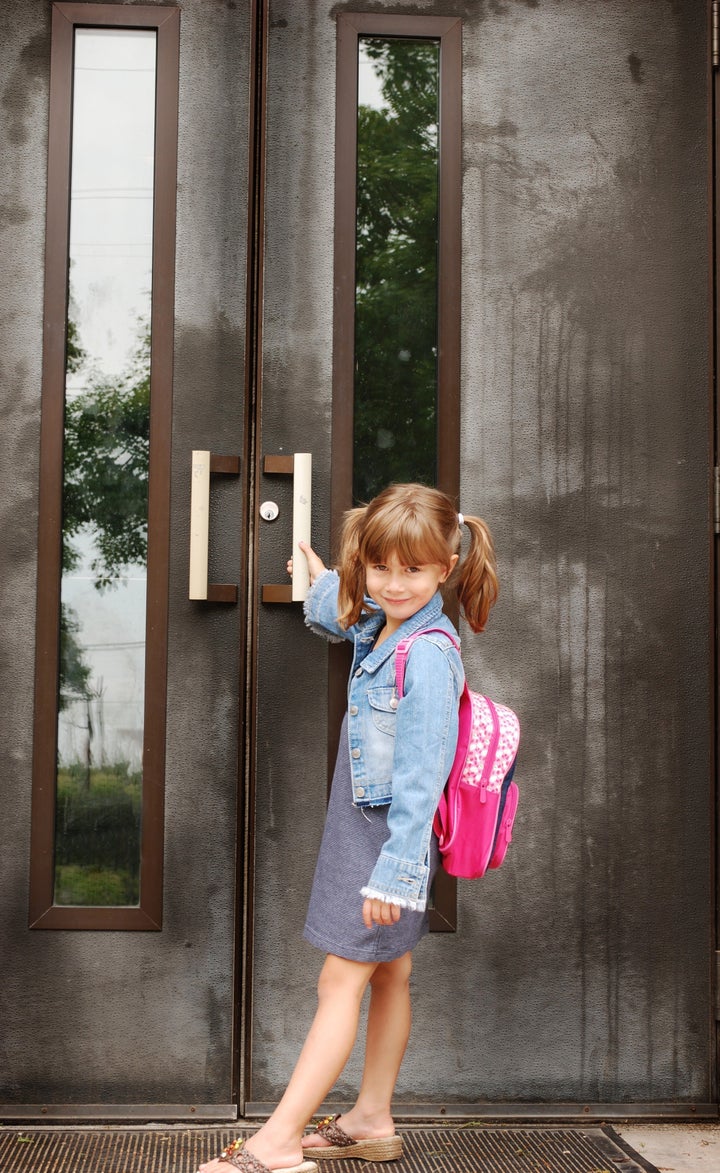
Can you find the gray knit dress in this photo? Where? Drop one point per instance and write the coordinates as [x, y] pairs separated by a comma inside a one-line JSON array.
[[351, 843]]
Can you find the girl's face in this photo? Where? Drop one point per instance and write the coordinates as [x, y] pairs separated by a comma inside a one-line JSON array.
[[400, 591]]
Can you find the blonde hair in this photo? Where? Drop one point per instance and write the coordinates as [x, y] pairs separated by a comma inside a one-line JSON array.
[[420, 526]]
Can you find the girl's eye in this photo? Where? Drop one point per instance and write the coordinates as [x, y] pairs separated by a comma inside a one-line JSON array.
[[414, 569], [380, 566]]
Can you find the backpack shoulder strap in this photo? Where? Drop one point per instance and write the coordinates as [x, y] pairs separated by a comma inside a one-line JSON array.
[[403, 648]]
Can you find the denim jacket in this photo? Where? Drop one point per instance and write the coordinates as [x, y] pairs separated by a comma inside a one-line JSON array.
[[401, 751]]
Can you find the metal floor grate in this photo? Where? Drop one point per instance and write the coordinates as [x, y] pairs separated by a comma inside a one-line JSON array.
[[483, 1149]]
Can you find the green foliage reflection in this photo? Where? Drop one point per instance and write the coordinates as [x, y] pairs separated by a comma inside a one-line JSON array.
[[396, 270], [98, 836], [107, 449], [105, 498]]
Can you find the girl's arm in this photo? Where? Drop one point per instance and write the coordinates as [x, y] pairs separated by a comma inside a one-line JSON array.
[[425, 742], [320, 606]]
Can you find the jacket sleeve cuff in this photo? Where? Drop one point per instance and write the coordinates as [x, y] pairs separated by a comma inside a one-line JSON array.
[[320, 607], [398, 881]]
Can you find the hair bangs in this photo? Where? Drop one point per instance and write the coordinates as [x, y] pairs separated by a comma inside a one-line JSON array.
[[408, 535]]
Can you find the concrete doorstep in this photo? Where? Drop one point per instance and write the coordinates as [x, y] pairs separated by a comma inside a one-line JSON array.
[[675, 1148]]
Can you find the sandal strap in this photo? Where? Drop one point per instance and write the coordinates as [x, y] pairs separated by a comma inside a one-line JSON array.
[[331, 1130], [235, 1154]]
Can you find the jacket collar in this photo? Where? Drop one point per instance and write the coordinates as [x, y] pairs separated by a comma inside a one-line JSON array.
[[427, 616]]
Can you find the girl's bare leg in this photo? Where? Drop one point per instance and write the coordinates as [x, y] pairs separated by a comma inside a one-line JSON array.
[[325, 1052], [388, 1031]]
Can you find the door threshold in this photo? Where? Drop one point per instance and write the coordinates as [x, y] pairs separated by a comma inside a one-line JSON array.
[[482, 1112], [405, 1114], [118, 1113]]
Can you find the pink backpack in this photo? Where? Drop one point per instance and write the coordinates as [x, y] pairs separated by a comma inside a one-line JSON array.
[[475, 817]]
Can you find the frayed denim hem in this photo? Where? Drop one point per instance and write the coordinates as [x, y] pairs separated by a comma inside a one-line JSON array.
[[400, 901]]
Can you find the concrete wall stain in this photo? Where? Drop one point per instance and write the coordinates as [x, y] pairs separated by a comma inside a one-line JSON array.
[[637, 69], [26, 81]]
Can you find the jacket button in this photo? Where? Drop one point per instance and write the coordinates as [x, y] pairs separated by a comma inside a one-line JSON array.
[[358, 672], [360, 792], [394, 703], [353, 710], [356, 753]]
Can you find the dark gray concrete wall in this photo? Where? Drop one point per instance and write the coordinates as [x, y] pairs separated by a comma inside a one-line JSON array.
[[586, 444], [25, 58], [131, 1017]]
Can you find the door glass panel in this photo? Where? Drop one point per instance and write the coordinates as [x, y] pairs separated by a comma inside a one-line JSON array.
[[105, 478], [396, 284]]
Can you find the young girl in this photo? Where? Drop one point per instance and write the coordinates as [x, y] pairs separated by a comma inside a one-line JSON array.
[[368, 906]]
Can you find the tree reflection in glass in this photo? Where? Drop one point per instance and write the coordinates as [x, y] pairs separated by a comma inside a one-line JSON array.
[[106, 449], [395, 394]]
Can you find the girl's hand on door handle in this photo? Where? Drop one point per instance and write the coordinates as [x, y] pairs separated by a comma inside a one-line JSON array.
[[315, 563]]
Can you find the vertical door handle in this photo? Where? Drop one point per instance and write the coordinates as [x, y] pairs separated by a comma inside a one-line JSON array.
[[203, 464], [299, 466]]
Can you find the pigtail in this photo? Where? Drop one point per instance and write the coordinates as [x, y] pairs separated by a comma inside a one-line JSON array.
[[476, 582], [351, 591]]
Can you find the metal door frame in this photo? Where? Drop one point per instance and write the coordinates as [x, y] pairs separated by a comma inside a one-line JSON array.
[[713, 67]]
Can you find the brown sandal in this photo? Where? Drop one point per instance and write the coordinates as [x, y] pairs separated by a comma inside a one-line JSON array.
[[237, 1155], [376, 1148]]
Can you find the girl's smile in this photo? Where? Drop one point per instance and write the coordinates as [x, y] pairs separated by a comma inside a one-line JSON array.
[[400, 591]]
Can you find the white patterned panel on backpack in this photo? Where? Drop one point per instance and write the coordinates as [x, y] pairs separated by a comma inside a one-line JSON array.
[[480, 737]]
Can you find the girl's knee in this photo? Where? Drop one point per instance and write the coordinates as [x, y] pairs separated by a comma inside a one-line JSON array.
[[393, 973], [340, 976]]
